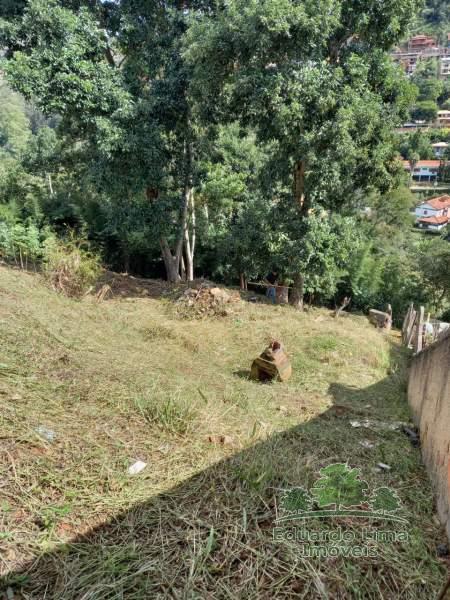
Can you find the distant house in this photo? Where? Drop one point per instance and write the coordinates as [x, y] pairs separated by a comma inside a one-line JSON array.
[[445, 66], [421, 42], [424, 170], [419, 48], [443, 118], [439, 149], [433, 214]]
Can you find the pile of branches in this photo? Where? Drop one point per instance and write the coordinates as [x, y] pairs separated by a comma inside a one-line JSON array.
[[206, 301]]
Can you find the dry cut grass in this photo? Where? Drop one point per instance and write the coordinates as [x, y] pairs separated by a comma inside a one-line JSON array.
[[87, 389]]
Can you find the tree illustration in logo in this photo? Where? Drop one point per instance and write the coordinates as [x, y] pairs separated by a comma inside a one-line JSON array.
[[385, 500], [340, 485], [295, 500]]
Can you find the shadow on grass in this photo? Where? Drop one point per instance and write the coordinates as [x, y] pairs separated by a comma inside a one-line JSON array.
[[211, 537]]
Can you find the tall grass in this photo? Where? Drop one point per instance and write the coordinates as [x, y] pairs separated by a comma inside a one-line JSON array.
[[70, 266], [169, 411]]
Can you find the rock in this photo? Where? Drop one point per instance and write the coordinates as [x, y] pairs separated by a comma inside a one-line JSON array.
[[272, 364], [443, 550]]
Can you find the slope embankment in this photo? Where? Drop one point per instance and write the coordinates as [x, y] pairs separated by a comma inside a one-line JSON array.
[[89, 388]]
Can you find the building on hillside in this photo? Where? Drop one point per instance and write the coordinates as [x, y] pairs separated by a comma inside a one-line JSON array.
[[439, 149], [444, 66], [409, 127], [433, 214], [443, 118], [424, 170], [422, 47], [421, 42]]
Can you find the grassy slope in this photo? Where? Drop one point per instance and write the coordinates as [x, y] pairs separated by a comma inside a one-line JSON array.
[[127, 380]]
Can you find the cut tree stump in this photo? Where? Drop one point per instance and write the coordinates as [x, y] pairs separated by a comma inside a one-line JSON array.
[[382, 320]]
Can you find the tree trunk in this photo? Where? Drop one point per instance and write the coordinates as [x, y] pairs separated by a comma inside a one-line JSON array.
[[171, 262], [182, 269], [189, 237], [296, 299], [50, 184], [126, 260]]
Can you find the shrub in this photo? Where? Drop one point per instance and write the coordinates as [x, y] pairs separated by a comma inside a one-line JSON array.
[[70, 266], [20, 243]]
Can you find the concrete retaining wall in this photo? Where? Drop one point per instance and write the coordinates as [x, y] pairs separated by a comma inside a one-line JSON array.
[[429, 397]]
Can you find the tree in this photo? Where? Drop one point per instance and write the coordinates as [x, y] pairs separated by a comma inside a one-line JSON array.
[[434, 260], [426, 78], [425, 111], [319, 247], [394, 208], [340, 485], [14, 124], [314, 77], [115, 74], [418, 143], [385, 500]]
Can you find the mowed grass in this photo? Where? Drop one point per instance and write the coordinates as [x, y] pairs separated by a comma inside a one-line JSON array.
[[87, 389]]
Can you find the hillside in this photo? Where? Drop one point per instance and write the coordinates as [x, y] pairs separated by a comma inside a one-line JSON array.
[[434, 17], [87, 389]]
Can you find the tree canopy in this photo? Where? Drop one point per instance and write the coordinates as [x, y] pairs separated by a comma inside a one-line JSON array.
[[216, 138]]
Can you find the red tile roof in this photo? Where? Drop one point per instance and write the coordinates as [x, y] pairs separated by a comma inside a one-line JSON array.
[[423, 163], [439, 202], [434, 220]]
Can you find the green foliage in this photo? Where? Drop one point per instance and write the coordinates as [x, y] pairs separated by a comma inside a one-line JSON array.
[[339, 485], [418, 143], [426, 78], [21, 244], [320, 247], [434, 263], [364, 279], [14, 125], [250, 90], [425, 111], [434, 18], [393, 210]]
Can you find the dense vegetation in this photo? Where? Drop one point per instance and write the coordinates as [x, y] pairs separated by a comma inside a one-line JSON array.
[[216, 139], [433, 18]]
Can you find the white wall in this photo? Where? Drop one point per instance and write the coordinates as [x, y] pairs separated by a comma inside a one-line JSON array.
[[423, 211]]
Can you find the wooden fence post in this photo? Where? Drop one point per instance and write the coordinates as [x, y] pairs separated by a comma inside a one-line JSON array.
[[410, 328], [418, 342], [406, 322]]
